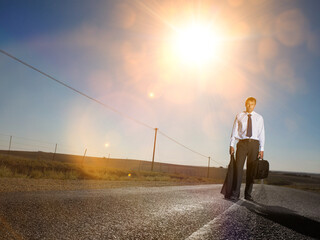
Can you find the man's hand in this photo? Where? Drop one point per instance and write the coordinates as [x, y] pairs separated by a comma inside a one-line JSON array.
[[231, 150], [260, 155]]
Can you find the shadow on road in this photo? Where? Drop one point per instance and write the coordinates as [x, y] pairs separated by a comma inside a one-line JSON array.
[[285, 217]]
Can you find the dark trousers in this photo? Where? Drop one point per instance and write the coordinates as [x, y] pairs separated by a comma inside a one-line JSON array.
[[245, 149]]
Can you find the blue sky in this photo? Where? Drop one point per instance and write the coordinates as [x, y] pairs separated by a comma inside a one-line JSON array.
[[120, 52]]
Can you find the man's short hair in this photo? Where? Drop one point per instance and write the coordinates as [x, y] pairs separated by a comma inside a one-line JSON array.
[[251, 99]]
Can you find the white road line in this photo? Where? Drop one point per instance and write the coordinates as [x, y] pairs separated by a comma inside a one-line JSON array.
[[202, 232]]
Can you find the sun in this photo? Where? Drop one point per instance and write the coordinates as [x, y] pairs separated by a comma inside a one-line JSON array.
[[197, 44]]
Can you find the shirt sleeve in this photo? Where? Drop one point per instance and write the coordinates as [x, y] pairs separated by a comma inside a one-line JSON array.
[[234, 133], [261, 136]]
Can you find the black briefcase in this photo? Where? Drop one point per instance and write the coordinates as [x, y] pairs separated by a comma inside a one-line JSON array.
[[260, 169]]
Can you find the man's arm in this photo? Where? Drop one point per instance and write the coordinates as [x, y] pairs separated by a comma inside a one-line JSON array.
[[260, 155], [231, 150], [261, 140]]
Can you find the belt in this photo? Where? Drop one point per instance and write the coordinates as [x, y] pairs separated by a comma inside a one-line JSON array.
[[249, 140]]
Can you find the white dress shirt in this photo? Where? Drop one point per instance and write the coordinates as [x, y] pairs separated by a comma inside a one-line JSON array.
[[239, 129]]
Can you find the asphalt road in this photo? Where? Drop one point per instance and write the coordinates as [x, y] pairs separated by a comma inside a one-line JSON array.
[[179, 212]]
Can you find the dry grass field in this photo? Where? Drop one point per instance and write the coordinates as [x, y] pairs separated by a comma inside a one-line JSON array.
[[25, 173], [20, 167], [37, 171], [302, 181]]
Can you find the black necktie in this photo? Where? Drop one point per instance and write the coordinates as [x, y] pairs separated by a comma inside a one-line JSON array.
[[249, 126]]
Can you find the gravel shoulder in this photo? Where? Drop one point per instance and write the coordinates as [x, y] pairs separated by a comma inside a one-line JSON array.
[[29, 185]]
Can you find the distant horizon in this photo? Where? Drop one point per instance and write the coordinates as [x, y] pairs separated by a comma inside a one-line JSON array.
[[145, 160]]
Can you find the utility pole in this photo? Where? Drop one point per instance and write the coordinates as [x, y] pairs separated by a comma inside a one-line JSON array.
[[208, 167], [9, 145], [84, 155], [154, 147], [55, 150]]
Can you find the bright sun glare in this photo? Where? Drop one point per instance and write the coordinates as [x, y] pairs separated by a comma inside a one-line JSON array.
[[197, 44]]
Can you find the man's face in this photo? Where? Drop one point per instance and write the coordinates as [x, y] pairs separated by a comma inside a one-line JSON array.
[[250, 105]]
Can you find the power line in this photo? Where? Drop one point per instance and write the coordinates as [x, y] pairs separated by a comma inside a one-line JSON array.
[[217, 162], [97, 101], [182, 145], [77, 91]]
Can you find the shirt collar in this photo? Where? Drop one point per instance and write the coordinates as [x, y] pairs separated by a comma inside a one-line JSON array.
[[252, 113]]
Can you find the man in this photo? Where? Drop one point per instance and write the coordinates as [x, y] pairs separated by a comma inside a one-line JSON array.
[[248, 128]]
